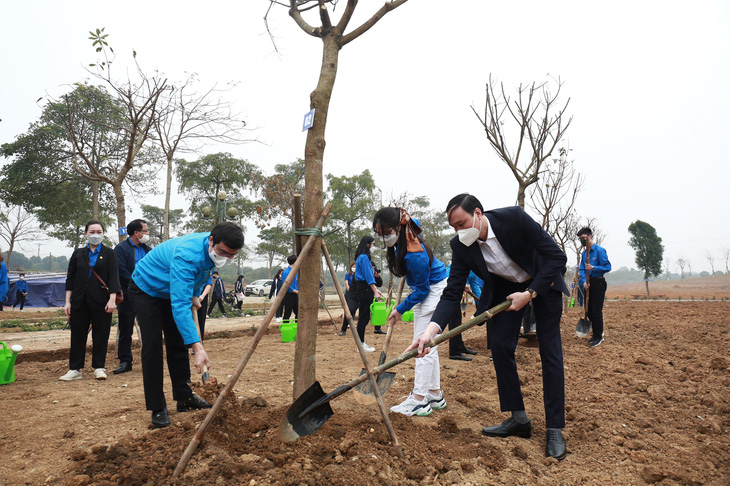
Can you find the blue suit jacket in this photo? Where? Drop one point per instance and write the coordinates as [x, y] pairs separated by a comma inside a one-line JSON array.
[[524, 241]]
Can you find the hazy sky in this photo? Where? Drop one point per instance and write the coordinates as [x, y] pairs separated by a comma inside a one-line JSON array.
[[648, 83]]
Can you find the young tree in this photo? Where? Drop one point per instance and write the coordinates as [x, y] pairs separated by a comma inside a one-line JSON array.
[[667, 265], [710, 257], [17, 225], [352, 205], [187, 120], [277, 193], [681, 263], [725, 253], [334, 36], [539, 120], [649, 249]]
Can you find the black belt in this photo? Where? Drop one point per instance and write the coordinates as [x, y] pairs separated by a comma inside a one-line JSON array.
[[597, 278]]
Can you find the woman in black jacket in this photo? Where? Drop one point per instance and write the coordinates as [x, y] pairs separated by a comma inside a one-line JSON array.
[[90, 302]]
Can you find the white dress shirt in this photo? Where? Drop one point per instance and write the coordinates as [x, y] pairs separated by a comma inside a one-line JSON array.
[[498, 262]]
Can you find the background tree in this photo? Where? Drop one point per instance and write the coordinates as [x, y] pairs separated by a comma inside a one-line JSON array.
[[725, 254], [539, 119], [277, 193], [274, 245], [203, 180], [334, 37], [710, 257], [681, 263], [159, 220], [41, 175], [667, 265], [352, 206], [649, 249], [187, 120], [17, 225]]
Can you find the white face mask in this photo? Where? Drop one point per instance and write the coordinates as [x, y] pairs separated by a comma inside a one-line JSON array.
[[94, 239], [217, 259], [391, 240], [22, 278], [144, 239], [352, 269], [469, 236]]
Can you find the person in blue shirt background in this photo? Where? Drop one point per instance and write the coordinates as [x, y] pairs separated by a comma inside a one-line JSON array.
[[21, 291], [129, 252], [163, 292], [596, 266], [409, 257], [4, 282], [364, 286], [291, 299]]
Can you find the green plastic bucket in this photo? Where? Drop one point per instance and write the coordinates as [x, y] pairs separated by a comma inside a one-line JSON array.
[[7, 363], [288, 331], [379, 312], [407, 316]]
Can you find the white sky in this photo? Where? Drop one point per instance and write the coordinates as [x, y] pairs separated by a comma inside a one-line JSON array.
[[648, 82]]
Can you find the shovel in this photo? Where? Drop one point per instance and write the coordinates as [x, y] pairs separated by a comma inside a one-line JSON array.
[[311, 410], [363, 392], [205, 376], [584, 325]]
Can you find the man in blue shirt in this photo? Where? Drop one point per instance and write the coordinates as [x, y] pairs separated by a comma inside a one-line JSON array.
[[163, 291], [291, 299], [597, 265], [129, 252], [21, 290]]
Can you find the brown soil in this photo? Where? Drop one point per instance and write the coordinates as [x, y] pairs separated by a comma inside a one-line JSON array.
[[649, 405]]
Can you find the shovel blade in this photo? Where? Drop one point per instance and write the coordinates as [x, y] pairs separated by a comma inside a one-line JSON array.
[[293, 427], [583, 328], [363, 393]]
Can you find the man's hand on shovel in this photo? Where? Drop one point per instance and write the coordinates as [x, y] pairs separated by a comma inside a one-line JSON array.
[[394, 316], [422, 341]]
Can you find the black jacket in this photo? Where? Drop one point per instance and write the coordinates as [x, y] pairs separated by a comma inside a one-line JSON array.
[[87, 289], [126, 262], [524, 241]]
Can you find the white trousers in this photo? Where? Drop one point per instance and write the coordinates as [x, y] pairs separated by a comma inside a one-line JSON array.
[[428, 369]]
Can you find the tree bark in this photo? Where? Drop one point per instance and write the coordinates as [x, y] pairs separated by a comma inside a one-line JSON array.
[[168, 190], [304, 355], [121, 209]]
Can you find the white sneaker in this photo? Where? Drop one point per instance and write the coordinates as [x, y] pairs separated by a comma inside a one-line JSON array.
[[71, 375], [368, 348], [410, 406], [437, 402], [278, 319], [100, 374]]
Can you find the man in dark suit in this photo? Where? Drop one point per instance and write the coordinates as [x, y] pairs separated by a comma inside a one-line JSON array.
[[129, 252], [520, 262]]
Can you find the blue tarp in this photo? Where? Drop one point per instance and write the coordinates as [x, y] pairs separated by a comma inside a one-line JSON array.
[[43, 291]]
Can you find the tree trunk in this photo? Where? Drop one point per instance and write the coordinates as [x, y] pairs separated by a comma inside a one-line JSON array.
[[95, 200], [121, 209], [522, 187], [647, 288], [168, 191], [304, 355]]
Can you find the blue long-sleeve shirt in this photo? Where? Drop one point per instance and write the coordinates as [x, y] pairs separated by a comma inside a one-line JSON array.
[[294, 285], [21, 286], [599, 260], [175, 270], [4, 282], [419, 276], [475, 283], [364, 269]]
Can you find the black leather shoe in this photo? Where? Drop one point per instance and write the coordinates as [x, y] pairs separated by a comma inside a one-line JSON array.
[[461, 357], [379, 331], [123, 367], [160, 418], [470, 351], [555, 445], [509, 428], [194, 403], [342, 333]]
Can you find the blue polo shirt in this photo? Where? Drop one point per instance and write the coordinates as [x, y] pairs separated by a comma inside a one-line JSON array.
[[175, 270], [599, 260]]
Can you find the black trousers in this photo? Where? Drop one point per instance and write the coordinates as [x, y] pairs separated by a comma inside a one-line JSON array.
[[456, 343], [19, 300], [216, 300], [505, 333], [352, 305], [126, 316], [596, 296], [202, 315], [291, 304], [154, 316], [100, 322]]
